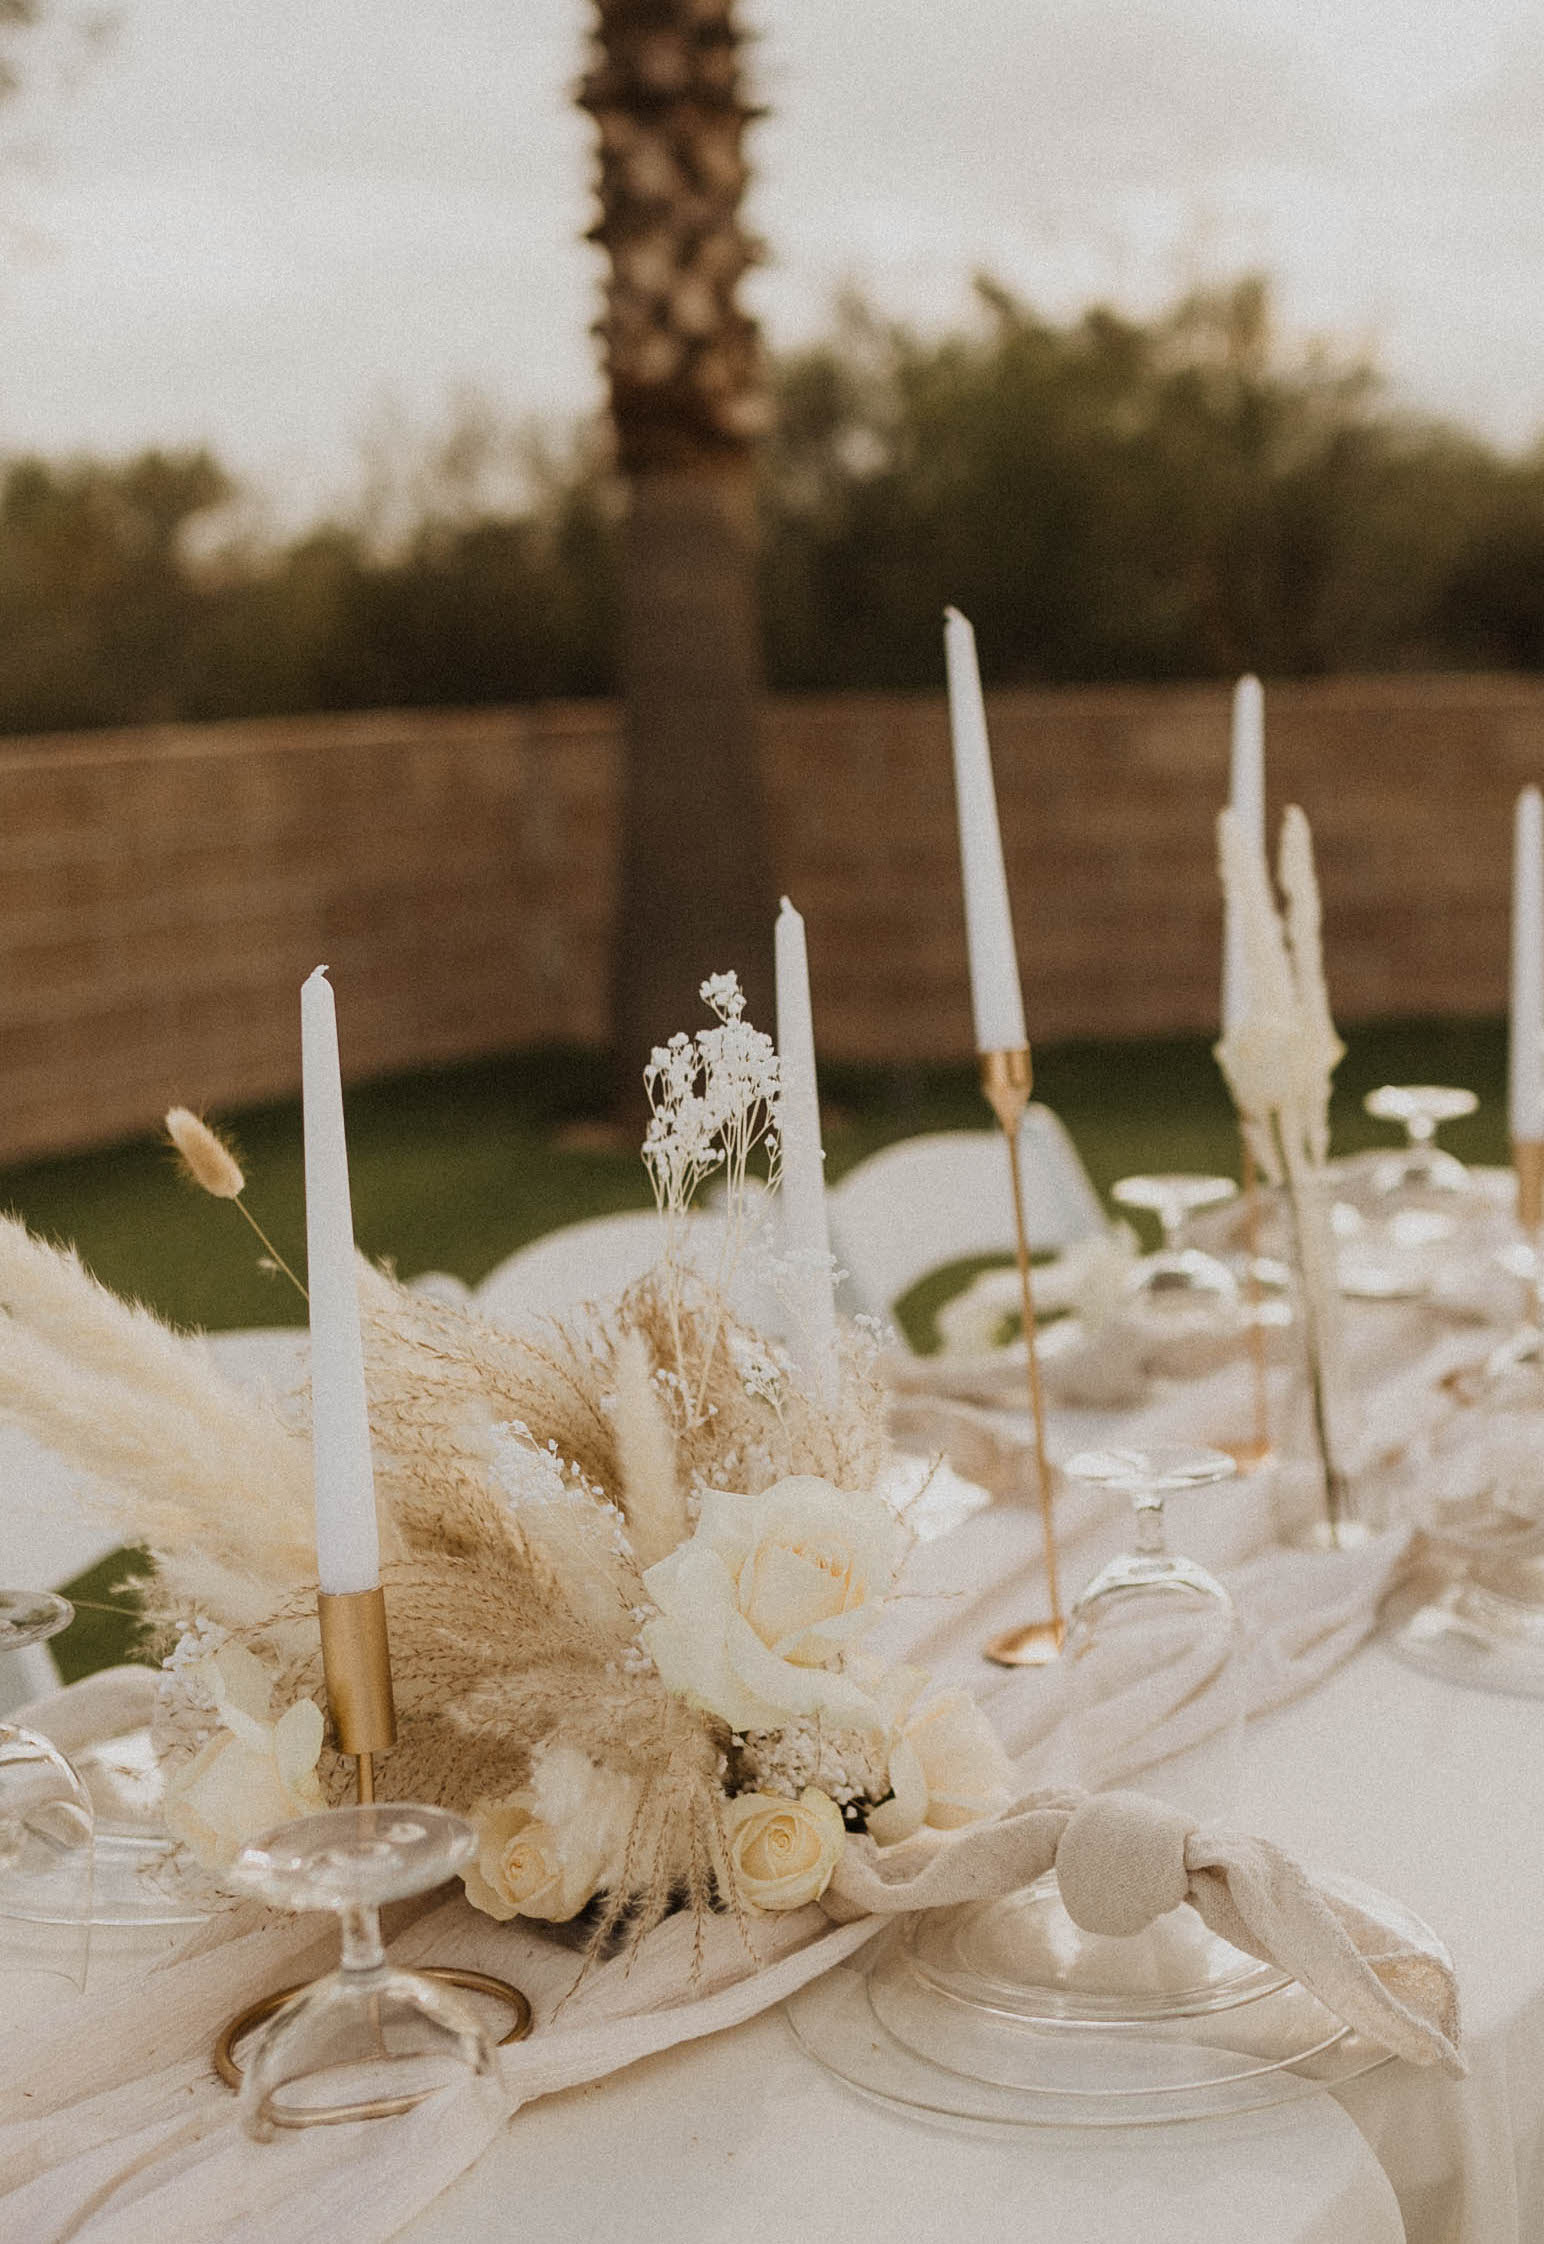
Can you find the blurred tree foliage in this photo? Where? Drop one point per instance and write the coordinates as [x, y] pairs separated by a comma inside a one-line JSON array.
[[1108, 499]]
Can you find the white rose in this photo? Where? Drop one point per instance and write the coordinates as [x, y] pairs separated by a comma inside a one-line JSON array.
[[783, 1852], [545, 1850], [947, 1768], [255, 1773], [758, 1606]]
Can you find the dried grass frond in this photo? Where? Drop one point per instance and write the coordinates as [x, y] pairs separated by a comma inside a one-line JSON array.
[[205, 1157], [190, 1460], [652, 1498]]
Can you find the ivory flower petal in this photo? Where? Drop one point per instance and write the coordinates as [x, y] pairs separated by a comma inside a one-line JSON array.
[[783, 1853], [906, 1810], [253, 1774], [967, 1773], [757, 1608], [545, 1850]]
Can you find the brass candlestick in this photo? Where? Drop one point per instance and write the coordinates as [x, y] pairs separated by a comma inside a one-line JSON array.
[[1005, 1080], [1528, 1161], [356, 1663]]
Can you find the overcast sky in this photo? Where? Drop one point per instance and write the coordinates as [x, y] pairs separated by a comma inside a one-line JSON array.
[[266, 226]]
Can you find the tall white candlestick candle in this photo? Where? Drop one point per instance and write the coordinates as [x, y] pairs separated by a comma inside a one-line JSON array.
[[1526, 1053], [1246, 799], [347, 1544], [995, 995], [806, 1234]]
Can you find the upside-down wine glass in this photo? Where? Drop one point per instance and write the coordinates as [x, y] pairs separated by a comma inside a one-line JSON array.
[[371, 2040], [1150, 1645], [1394, 1209], [47, 1826], [1178, 1291]]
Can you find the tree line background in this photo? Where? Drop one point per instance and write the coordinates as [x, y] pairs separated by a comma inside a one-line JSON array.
[[1108, 499]]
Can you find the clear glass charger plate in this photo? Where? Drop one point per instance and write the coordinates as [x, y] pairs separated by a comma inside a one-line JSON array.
[[918, 2021], [137, 1879]]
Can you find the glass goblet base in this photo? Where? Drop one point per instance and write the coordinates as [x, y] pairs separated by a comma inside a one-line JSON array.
[[360, 2045], [1484, 1630]]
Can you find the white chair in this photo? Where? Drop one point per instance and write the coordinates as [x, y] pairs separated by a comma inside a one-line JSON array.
[[587, 1262], [26, 1675], [931, 1200]]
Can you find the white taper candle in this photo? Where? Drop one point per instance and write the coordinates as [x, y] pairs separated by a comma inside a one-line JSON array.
[[1526, 1046], [1246, 799], [347, 1543], [995, 996], [806, 1238]]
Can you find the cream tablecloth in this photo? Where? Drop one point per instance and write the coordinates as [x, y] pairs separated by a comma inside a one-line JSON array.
[[1434, 1794]]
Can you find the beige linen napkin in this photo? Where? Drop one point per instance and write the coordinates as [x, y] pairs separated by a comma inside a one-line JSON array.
[[1123, 1859]]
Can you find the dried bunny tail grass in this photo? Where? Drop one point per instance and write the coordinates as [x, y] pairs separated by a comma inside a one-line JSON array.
[[208, 1160], [651, 1494], [212, 1468], [205, 1156]]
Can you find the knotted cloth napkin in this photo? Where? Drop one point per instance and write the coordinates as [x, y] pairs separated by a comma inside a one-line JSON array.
[[1123, 1859]]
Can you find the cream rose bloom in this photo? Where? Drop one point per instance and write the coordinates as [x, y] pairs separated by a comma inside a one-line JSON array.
[[947, 1768], [546, 1849], [758, 1606], [255, 1773], [782, 1853]]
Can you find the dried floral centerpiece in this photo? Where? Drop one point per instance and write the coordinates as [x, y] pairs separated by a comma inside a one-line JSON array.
[[630, 1558]]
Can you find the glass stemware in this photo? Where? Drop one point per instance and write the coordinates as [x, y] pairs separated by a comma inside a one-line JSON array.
[[1150, 1646], [1420, 1166], [1394, 1210], [47, 1825], [1178, 1291], [371, 2040]]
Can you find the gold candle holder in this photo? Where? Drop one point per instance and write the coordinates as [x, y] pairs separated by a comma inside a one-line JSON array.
[[1528, 1161], [1006, 1077], [356, 1664]]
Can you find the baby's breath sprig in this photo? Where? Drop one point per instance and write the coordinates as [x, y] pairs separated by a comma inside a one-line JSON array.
[[208, 1161]]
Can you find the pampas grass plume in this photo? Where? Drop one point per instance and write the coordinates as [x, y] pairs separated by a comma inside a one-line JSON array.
[[204, 1155]]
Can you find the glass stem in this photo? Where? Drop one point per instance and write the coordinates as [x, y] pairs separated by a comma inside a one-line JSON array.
[[361, 1930], [1150, 1537]]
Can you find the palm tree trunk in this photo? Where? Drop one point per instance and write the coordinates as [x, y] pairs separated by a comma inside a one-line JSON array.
[[688, 403]]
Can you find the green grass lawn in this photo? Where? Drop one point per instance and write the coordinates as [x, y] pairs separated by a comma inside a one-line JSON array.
[[454, 1170]]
